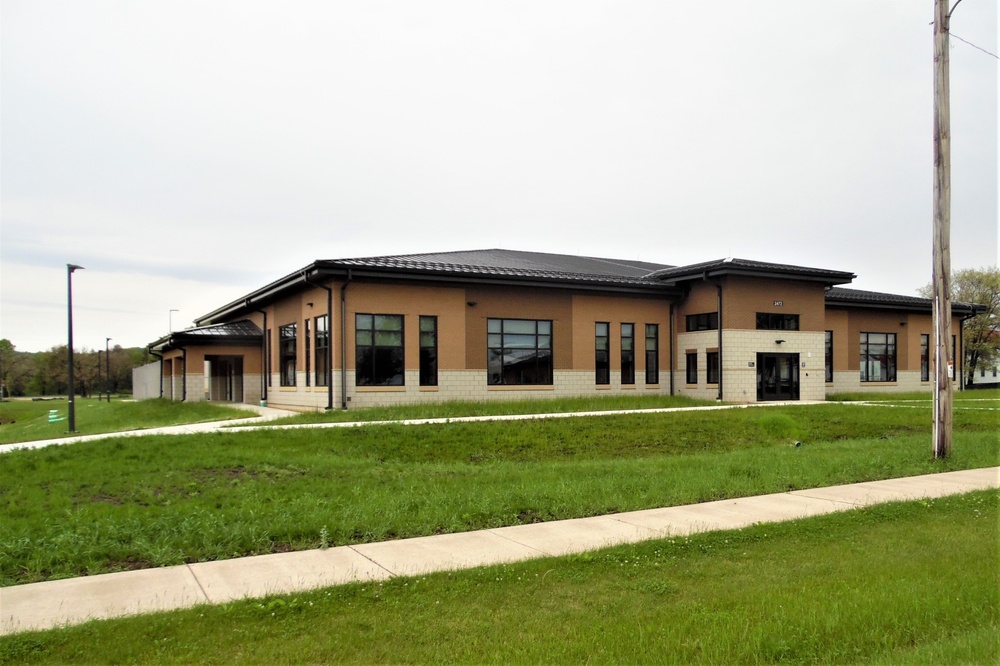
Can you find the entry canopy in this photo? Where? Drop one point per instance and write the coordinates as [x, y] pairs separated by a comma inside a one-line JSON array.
[[242, 332]]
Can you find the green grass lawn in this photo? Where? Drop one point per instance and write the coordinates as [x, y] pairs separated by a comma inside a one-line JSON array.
[[458, 408], [130, 503], [28, 420], [906, 583]]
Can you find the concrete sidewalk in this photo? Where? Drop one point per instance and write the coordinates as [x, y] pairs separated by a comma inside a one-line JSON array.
[[76, 600], [263, 415]]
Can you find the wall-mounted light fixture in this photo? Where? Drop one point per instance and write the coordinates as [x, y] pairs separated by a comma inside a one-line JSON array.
[[309, 304], [471, 304], [778, 342]]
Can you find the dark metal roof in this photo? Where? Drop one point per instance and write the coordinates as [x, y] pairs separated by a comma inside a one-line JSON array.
[[875, 299], [508, 262], [237, 332], [733, 266], [499, 264]]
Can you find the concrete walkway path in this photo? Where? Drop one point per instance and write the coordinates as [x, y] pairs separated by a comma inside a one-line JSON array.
[[76, 600], [262, 415]]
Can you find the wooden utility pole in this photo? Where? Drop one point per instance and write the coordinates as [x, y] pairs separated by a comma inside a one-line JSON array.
[[942, 234]]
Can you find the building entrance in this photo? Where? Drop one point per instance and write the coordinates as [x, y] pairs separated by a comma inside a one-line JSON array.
[[224, 378], [777, 377]]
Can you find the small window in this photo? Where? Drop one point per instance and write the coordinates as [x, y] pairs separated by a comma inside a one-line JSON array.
[[652, 353], [692, 368], [322, 350], [628, 354], [287, 352], [269, 351], [712, 367], [772, 321], [707, 321], [925, 357], [428, 351], [306, 339], [602, 354], [519, 352], [828, 344], [379, 350]]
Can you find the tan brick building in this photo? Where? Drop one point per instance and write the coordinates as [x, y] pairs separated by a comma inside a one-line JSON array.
[[495, 324]]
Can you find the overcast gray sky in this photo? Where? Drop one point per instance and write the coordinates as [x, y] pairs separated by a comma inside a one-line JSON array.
[[188, 152]]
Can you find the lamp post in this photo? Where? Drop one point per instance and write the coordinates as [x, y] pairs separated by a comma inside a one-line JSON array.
[[107, 367], [170, 321], [69, 370], [100, 384]]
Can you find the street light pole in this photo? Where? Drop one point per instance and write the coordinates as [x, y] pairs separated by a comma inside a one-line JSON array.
[[100, 384], [107, 367], [170, 320], [69, 370]]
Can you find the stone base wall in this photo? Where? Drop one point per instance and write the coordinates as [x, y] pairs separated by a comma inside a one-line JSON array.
[[906, 382], [467, 385]]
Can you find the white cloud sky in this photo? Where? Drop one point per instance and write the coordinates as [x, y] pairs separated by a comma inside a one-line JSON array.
[[187, 153]]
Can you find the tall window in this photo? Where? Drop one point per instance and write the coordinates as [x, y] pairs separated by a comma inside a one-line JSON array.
[[878, 357], [652, 353], [602, 353], [378, 347], [322, 350], [772, 321], [286, 353], [519, 351], [925, 357], [707, 321], [691, 375], [307, 339], [428, 351], [628, 354], [267, 353], [712, 367], [828, 344]]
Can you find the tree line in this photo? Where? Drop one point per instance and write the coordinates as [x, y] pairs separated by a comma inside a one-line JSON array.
[[982, 332], [46, 373]]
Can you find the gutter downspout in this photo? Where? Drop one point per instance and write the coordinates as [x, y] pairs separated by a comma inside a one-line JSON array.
[[263, 358], [343, 340], [184, 375], [670, 341], [329, 356], [718, 286]]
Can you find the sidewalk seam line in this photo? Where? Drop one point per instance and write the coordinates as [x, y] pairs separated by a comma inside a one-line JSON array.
[[198, 581], [378, 564]]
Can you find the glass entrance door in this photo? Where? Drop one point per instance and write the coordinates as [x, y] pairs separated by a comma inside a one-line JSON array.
[[777, 377]]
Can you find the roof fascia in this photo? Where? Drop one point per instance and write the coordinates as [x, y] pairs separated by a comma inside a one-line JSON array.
[[830, 278], [328, 269]]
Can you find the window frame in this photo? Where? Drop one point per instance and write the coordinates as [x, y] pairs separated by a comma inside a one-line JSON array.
[[869, 354], [288, 354], [602, 353], [321, 350], [925, 357], [501, 332], [828, 356], [652, 354], [307, 340], [704, 321], [628, 354], [777, 321], [428, 345], [713, 367], [379, 365], [691, 368]]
